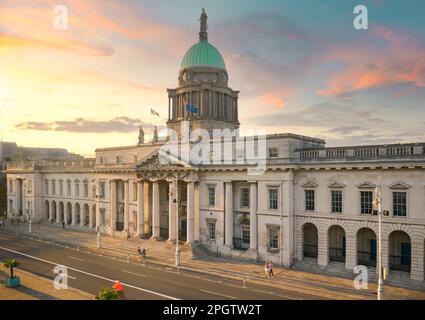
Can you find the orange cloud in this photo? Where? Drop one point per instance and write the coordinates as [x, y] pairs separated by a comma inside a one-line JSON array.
[[274, 100], [401, 60]]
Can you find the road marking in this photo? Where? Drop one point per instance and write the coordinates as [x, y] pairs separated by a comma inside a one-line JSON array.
[[91, 274], [79, 259], [134, 273], [215, 281], [219, 294]]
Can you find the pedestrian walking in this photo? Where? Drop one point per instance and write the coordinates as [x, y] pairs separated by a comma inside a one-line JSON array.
[[271, 269], [267, 270], [63, 224]]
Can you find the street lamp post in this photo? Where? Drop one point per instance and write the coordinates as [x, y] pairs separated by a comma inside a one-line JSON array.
[[177, 224], [378, 205]]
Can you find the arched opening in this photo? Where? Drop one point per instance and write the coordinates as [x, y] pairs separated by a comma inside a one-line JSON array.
[[68, 213], [54, 216], [399, 251], [86, 215], [336, 243], [310, 241], [47, 210], [242, 236], [61, 213], [366, 247], [77, 214], [93, 217]]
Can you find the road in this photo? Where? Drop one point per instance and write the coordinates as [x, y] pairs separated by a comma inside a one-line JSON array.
[[90, 271]]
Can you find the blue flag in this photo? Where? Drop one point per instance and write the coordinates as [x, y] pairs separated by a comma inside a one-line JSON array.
[[191, 109]]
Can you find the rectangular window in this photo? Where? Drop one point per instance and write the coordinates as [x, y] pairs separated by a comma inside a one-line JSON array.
[[273, 199], [86, 189], [77, 189], [273, 153], [245, 235], [68, 188], [211, 230], [309, 200], [274, 238], [46, 187], [53, 187], [10, 186], [61, 188], [336, 196], [399, 204], [29, 184], [244, 197], [366, 198], [211, 196], [135, 191], [102, 191]]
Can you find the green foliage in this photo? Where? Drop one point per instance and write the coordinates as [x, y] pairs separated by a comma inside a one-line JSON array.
[[11, 263], [107, 294]]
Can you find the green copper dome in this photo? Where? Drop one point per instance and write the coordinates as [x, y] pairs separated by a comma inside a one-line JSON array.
[[203, 53]]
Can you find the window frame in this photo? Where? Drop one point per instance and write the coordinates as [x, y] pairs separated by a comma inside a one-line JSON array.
[[371, 202], [275, 155], [341, 201], [269, 202], [214, 202], [242, 198], [276, 239], [394, 192], [309, 202]]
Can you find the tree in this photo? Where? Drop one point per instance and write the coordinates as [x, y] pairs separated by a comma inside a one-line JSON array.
[[11, 263], [107, 294]]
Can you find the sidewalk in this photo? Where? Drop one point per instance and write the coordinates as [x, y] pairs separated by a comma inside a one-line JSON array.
[[37, 288], [163, 253]]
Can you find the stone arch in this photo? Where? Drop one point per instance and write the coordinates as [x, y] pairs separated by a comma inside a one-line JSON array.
[[86, 212], [47, 210], [310, 240], [53, 211], [367, 247], [366, 224], [61, 212], [399, 250], [77, 210], [68, 213], [336, 243], [389, 228]]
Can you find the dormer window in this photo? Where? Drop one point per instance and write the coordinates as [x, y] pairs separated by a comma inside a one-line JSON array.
[[273, 153]]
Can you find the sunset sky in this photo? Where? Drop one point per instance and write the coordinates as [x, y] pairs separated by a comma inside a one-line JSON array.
[[300, 67]]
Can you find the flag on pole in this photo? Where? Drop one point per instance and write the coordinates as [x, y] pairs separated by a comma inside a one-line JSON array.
[[191, 109], [154, 112], [378, 196]]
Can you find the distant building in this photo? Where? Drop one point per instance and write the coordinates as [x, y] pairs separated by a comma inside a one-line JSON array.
[[311, 202]]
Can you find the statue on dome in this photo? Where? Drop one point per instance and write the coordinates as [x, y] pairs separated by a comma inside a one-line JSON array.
[[203, 34], [141, 136]]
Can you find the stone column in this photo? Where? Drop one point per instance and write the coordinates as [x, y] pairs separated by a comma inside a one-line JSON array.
[[253, 229], [190, 212], [73, 220], [113, 204], [417, 257], [126, 213], [140, 208], [291, 218], [97, 222], [155, 210], [172, 212], [147, 199], [350, 250], [323, 252], [228, 215]]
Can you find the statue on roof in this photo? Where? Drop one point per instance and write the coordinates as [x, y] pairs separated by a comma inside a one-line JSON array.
[[155, 134], [141, 136], [203, 34]]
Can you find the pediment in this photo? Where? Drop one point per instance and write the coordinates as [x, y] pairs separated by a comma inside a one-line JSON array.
[[310, 184], [160, 161], [336, 185], [366, 185], [400, 185]]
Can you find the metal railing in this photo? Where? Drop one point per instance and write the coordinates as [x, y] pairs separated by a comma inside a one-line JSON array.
[[310, 251], [400, 263], [366, 258], [337, 254]]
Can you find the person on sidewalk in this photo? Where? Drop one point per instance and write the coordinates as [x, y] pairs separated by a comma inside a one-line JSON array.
[[267, 270], [271, 269]]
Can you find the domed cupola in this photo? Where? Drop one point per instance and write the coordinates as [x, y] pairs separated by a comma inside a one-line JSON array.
[[203, 86]]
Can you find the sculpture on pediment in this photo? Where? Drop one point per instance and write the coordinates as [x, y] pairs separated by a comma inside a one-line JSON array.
[[141, 136]]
